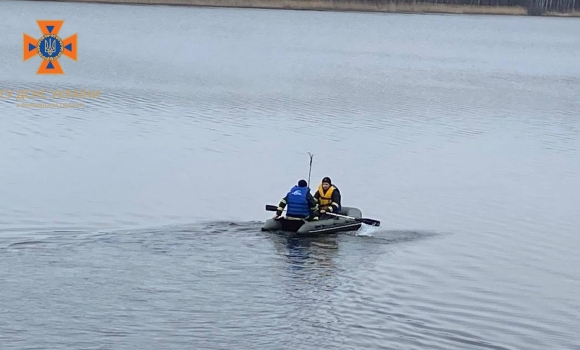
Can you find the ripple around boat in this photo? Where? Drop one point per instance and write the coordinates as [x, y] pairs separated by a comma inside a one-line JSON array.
[[323, 226]]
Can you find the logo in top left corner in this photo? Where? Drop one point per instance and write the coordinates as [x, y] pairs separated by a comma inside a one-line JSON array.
[[50, 47]]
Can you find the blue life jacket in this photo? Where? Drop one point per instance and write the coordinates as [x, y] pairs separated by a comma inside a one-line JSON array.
[[297, 202]]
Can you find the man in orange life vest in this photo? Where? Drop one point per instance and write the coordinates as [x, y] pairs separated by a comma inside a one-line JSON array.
[[328, 197]]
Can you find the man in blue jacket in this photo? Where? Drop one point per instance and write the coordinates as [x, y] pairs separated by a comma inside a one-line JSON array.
[[301, 204]]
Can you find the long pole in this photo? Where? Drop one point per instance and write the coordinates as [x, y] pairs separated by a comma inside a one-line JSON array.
[[310, 170]]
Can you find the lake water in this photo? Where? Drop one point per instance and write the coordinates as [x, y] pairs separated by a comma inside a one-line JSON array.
[[134, 222]]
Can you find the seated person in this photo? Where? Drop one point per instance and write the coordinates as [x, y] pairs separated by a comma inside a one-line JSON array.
[[328, 197], [301, 204]]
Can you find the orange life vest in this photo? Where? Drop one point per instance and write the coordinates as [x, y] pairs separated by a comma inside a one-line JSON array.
[[325, 199]]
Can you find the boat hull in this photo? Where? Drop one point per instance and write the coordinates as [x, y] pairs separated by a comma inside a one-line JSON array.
[[325, 226]]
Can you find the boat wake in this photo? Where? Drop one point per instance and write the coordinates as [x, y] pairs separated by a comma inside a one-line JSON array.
[[367, 230], [215, 230]]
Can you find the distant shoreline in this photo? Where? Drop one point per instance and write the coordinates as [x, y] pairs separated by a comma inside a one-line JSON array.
[[335, 5]]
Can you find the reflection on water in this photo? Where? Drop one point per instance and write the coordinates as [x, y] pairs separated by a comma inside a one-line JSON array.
[[135, 221], [309, 253]]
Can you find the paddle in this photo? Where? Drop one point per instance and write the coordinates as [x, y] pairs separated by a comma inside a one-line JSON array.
[[371, 222], [275, 208], [271, 207]]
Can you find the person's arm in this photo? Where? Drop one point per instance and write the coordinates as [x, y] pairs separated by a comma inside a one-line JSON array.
[[317, 201], [335, 205], [281, 206], [313, 203]]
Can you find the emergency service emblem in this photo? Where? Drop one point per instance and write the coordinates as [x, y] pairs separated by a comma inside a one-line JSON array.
[[50, 47]]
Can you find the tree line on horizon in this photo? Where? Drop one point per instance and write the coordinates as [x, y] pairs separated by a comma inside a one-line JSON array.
[[534, 7]]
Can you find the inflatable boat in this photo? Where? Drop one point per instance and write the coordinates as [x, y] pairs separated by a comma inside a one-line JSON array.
[[346, 222]]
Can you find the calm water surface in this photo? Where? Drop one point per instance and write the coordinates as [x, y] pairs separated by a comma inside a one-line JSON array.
[[134, 222]]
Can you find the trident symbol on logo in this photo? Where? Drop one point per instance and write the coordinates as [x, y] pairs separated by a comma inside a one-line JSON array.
[[50, 46]]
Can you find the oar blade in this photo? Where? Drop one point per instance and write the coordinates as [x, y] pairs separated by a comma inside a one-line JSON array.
[[371, 222]]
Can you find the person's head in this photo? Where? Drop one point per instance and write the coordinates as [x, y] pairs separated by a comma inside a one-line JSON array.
[[326, 183], [302, 183]]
